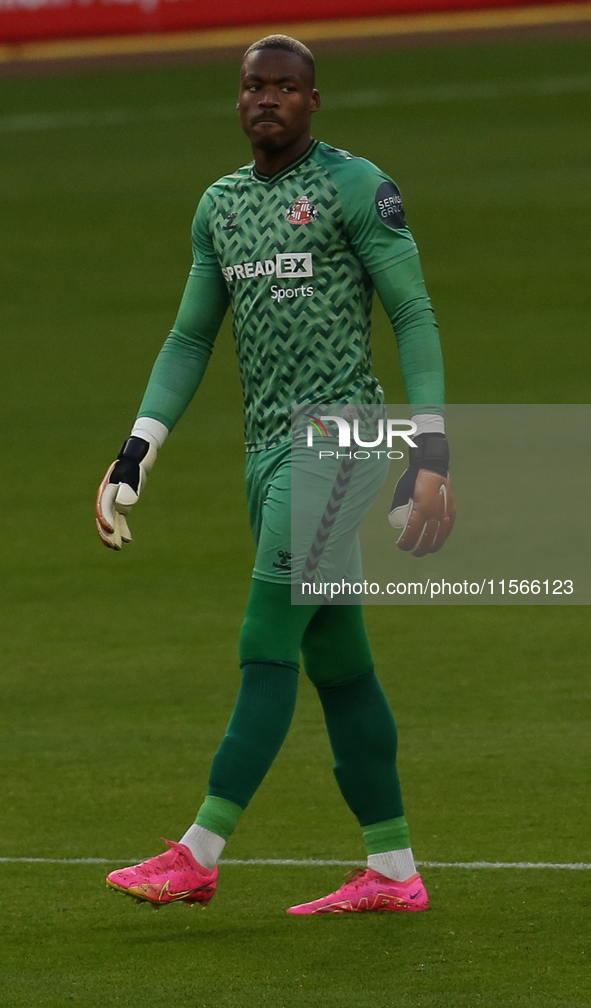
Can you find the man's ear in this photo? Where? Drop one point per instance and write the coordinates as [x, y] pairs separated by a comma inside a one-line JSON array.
[[315, 101]]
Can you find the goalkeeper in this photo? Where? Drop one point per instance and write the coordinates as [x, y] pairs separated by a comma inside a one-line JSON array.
[[296, 243]]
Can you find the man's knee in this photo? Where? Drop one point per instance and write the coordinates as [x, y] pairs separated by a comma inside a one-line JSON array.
[[335, 646], [253, 639]]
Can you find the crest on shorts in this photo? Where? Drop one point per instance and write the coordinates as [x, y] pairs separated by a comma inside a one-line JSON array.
[[302, 211]]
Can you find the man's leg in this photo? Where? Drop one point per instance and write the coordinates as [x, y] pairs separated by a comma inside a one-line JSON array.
[[363, 737], [269, 650], [270, 643]]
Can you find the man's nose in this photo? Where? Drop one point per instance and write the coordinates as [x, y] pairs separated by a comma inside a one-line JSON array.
[[268, 98]]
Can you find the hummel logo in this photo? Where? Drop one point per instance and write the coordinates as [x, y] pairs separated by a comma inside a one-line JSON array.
[[284, 560]]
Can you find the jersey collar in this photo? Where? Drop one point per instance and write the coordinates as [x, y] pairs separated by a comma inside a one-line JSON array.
[[270, 179]]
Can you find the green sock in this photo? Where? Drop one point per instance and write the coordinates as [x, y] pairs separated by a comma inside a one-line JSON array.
[[391, 835], [363, 736], [255, 734], [269, 649], [219, 816]]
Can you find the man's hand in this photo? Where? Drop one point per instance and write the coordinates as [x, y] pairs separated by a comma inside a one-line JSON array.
[[121, 488], [424, 506]]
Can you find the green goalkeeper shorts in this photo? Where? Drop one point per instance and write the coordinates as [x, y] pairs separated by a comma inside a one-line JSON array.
[[301, 508]]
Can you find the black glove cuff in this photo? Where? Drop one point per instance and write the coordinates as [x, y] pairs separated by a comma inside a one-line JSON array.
[[127, 467], [135, 448], [432, 453]]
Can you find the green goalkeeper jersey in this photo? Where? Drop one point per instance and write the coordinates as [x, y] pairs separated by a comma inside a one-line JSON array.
[[297, 256]]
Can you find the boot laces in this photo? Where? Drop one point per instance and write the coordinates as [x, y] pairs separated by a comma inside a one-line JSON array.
[[355, 877], [163, 861]]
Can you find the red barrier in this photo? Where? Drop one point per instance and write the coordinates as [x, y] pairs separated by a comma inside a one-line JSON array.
[[27, 20]]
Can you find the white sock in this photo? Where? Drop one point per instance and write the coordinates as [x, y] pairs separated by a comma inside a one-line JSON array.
[[395, 864], [205, 846]]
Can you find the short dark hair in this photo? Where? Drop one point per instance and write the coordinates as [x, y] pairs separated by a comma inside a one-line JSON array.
[[286, 43]]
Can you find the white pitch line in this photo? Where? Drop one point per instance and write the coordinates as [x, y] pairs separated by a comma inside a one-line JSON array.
[[368, 98], [306, 862], [576, 866]]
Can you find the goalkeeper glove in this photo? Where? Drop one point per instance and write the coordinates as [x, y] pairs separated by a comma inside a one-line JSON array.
[[123, 483], [423, 505]]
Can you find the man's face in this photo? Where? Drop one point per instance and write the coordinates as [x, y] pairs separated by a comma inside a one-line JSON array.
[[277, 98]]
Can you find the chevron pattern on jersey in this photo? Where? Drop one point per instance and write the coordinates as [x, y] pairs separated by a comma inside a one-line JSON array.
[[302, 336]]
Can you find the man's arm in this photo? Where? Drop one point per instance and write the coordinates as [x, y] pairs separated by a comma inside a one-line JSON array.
[[402, 291], [423, 504], [181, 363], [175, 377]]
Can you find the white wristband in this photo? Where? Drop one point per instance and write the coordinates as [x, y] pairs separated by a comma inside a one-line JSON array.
[[150, 430], [429, 423]]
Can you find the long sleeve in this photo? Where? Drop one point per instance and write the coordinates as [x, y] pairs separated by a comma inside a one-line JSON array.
[[378, 231], [181, 363], [402, 291]]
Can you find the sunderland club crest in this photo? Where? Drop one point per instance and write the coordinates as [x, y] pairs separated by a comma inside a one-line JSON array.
[[302, 211]]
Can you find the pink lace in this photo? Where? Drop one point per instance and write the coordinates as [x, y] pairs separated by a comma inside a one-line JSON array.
[[355, 877]]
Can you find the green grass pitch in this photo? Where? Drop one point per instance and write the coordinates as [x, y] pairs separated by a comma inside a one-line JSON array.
[[119, 671]]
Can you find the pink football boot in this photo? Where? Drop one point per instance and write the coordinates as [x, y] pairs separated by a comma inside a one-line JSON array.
[[366, 890], [167, 878]]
